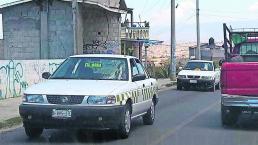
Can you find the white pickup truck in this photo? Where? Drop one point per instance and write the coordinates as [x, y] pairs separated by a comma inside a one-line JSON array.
[[199, 73]]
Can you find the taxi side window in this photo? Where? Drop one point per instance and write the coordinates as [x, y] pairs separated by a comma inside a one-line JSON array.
[[134, 68], [140, 67]]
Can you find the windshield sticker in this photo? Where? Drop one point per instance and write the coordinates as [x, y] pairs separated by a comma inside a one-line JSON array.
[[93, 65]]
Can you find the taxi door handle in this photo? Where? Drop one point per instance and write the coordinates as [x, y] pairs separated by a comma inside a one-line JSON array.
[[151, 84], [143, 85]]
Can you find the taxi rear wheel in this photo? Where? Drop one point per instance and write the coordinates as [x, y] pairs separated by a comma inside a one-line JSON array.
[[32, 132], [148, 119], [125, 126]]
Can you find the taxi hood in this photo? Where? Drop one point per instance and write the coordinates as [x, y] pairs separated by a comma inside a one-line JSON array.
[[76, 87]]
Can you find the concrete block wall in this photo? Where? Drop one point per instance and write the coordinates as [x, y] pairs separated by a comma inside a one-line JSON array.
[[25, 36], [1, 49], [101, 31], [21, 24], [60, 30], [80, 28], [17, 75]]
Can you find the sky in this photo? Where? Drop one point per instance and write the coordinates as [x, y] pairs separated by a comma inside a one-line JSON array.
[[213, 13]]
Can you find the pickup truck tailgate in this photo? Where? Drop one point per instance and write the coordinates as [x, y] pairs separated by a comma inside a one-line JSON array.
[[239, 78]]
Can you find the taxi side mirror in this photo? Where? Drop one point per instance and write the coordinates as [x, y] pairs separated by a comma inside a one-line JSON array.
[[46, 75], [221, 62], [180, 68], [138, 78]]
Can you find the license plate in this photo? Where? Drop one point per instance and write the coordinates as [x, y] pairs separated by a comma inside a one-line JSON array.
[[58, 113], [193, 81]]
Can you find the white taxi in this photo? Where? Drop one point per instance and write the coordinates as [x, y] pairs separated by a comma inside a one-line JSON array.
[[199, 73], [97, 91]]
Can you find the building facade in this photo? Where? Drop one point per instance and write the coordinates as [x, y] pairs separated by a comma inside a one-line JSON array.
[[208, 52], [133, 36], [44, 29]]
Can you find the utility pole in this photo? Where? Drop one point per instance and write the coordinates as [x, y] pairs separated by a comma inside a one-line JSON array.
[[198, 29], [146, 57], [173, 42], [74, 7]]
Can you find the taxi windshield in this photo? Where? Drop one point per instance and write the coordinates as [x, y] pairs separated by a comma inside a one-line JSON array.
[[201, 66], [93, 68]]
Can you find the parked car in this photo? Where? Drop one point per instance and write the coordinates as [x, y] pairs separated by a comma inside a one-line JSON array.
[[97, 92], [199, 73]]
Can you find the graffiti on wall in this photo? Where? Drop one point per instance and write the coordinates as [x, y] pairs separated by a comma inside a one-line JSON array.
[[98, 47], [12, 80], [40, 68], [16, 76], [52, 67]]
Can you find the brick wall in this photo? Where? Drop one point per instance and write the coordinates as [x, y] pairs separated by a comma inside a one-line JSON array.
[[1, 49], [25, 36], [21, 24], [80, 23], [101, 31], [60, 29]]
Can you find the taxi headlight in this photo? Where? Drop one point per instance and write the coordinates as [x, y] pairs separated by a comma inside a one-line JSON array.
[[181, 76], [207, 77], [101, 100], [33, 99]]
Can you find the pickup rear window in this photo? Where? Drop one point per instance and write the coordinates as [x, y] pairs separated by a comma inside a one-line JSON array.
[[245, 52]]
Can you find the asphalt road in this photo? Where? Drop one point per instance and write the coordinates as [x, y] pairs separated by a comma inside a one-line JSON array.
[[183, 118]]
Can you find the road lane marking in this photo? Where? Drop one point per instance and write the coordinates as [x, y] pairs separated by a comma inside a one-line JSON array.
[[183, 124]]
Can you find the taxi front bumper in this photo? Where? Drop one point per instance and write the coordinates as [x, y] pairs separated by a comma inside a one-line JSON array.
[[82, 117]]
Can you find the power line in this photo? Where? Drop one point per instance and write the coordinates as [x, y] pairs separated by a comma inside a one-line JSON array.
[[144, 6], [155, 5], [219, 11], [223, 16], [188, 19]]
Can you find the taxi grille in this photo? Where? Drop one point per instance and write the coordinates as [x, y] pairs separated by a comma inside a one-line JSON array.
[[64, 100], [193, 77]]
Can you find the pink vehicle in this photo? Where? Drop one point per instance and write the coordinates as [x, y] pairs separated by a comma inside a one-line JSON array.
[[239, 74]]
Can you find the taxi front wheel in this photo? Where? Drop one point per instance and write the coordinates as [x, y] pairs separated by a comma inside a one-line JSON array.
[[125, 126], [32, 132], [149, 117]]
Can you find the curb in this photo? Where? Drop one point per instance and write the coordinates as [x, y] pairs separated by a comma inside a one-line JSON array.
[[171, 84], [168, 85], [10, 122]]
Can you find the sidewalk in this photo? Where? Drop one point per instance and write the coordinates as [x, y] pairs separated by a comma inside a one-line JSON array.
[[164, 83], [9, 112], [9, 108]]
